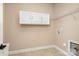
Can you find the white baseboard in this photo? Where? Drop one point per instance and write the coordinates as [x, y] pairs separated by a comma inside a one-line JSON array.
[[37, 48], [30, 49], [61, 50]]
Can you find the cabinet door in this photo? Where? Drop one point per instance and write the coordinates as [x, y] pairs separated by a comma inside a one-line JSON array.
[[45, 19], [40, 18], [36, 18], [25, 17]]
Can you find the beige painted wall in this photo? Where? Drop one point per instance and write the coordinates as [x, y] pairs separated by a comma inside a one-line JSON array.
[[62, 9], [33, 36], [20, 36], [69, 23]]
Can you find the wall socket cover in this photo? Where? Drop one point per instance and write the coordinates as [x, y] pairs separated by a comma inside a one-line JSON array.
[[64, 44]]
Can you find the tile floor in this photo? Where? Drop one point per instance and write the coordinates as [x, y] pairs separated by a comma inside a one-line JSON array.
[[42, 52]]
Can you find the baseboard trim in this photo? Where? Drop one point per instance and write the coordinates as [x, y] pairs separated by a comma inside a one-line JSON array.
[[30, 49], [37, 48], [61, 50]]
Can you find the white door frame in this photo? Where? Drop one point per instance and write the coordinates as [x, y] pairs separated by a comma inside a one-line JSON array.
[[1, 23]]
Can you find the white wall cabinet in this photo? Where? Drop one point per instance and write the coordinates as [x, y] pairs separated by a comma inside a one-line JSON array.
[[34, 18]]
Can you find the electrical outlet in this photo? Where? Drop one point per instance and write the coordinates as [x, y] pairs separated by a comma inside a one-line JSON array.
[[64, 44]]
